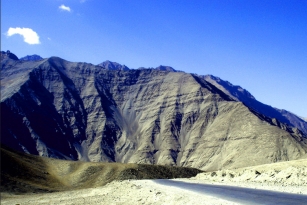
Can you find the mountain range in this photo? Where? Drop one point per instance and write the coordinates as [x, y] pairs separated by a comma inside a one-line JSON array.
[[110, 113]]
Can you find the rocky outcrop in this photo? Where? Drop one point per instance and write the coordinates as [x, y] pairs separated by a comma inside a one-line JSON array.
[[79, 111]]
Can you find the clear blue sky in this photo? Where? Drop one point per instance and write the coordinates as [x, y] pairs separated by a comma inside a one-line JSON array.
[[259, 45]]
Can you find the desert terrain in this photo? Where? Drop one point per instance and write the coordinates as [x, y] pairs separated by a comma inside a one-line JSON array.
[[69, 182], [273, 177], [78, 133], [84, 112]]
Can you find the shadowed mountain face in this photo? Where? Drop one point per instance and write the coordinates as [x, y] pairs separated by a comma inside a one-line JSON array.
[[8, 55], [79, 111]]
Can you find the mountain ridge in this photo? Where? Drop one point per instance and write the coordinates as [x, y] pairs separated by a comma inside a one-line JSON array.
[[238, 93], [244, 96], [8, 55], [78, 111], [33, 57]]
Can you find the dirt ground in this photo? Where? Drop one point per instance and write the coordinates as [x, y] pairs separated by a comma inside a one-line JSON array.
[[102, 183]]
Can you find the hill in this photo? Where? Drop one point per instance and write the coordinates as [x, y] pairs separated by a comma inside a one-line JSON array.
[[242, 95], [24, 173]]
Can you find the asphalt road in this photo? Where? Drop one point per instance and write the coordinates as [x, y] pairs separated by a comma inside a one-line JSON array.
[[239, 194]]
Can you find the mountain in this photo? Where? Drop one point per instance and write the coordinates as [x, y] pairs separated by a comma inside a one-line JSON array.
[[116, 66], [8, 55], [113, 66], [165, 68], [31, 58], [240, 94], [161, 68], [79, 111]]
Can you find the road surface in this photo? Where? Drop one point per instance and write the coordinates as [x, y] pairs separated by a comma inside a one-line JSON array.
[[239, 194]]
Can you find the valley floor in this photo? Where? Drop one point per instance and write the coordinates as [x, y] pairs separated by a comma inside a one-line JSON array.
[[290, 177], [140, 192]]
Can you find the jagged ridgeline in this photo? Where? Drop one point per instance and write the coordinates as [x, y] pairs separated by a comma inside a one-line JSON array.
[[79, 111]]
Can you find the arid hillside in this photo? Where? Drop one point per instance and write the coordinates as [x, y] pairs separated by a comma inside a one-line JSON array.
[[242, 95], [283, 177], [79, 111], [24, 173]]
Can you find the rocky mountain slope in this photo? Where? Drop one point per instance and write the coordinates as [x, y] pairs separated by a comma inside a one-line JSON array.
[[80, 111], [240, 94], [235, 92]]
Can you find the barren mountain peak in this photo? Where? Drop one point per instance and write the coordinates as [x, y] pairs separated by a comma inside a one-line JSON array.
[[113, 65], [165, 68]]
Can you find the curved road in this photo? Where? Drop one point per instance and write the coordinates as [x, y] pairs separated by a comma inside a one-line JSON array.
[[239, 194]]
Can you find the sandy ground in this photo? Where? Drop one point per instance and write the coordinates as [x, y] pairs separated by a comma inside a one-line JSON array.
[[125, 192], [137, 192], [285, 177]]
